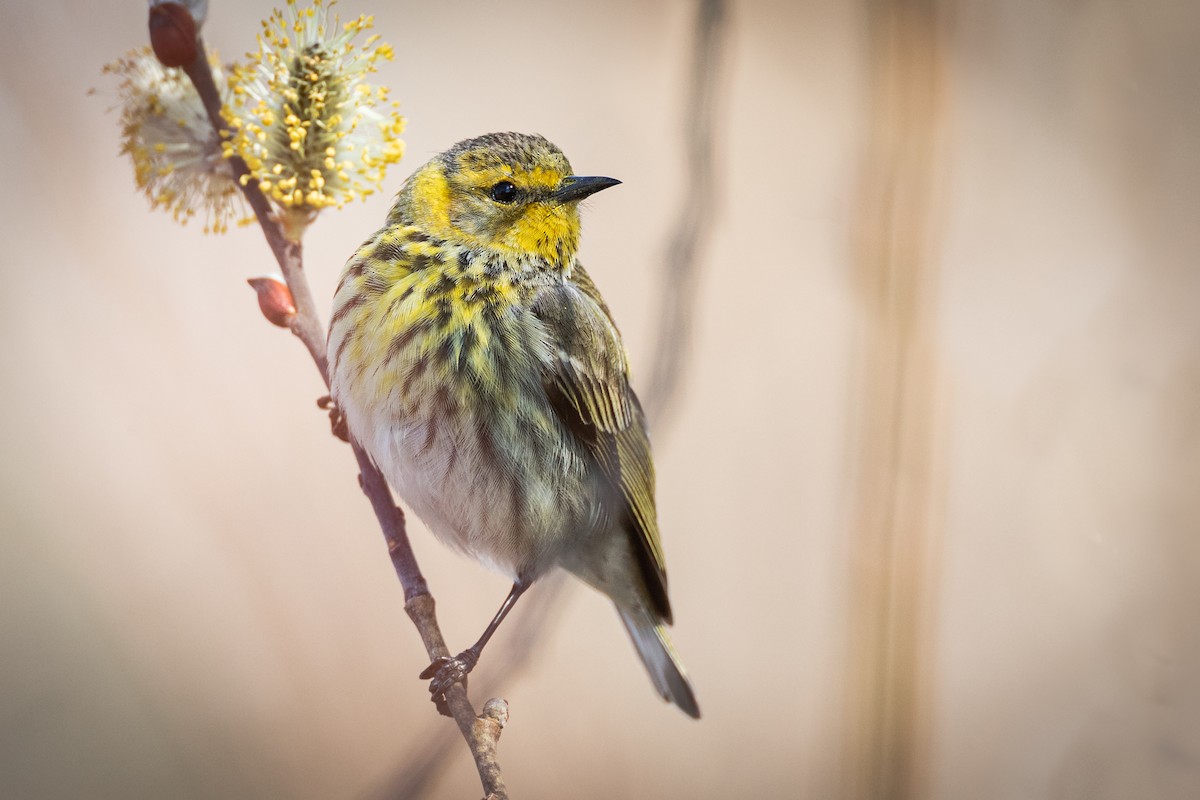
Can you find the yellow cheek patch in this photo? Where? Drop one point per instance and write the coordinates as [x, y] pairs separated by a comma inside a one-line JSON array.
[[431, 196]]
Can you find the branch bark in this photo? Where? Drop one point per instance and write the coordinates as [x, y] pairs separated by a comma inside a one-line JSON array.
[[420, 770], [480, 732]]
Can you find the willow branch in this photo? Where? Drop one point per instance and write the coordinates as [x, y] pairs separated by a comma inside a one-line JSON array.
[[306, 324], [420, 770], [679, 277], [480, 732]]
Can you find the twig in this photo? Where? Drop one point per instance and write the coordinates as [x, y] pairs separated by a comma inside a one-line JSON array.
[[486, 729], [678, 290], [419, 771], [482, 742], [307, 323], [480, 732]]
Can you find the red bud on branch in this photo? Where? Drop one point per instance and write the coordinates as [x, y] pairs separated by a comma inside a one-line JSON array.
[[275, 299], [173, 34]]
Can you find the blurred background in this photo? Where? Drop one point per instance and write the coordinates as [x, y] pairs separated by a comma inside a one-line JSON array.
[[928, 485]]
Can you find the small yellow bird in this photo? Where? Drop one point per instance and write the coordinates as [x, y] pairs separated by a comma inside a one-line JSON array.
[[477, 364]]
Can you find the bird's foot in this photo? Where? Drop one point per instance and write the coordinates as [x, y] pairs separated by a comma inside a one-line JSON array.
[[444, 672], [337, 420]]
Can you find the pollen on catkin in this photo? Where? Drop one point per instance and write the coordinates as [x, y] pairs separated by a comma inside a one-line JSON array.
[[177, 156], [312, 131]]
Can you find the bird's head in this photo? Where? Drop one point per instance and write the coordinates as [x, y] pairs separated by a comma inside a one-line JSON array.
[[508, 192]]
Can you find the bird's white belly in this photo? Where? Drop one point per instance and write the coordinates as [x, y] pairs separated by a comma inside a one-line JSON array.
[[508, 517]]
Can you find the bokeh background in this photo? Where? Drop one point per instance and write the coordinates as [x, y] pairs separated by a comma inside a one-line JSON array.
[[929, 490]]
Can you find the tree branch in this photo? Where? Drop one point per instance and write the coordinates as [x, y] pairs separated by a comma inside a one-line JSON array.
[[480, 732], [537, 615], [307, 323], [676, 313]]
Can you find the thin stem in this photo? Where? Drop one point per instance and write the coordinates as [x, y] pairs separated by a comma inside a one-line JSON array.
[[419, 771], [677, 312], [421, 611], [391, 519], [480, 732], [307, 323]]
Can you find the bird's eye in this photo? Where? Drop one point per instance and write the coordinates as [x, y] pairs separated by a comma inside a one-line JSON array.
[[503, 192]]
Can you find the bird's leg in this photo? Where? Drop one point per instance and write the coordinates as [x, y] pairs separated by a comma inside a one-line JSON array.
[[446, 671]]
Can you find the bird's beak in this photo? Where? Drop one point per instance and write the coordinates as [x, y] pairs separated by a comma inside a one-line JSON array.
[[575, 187]]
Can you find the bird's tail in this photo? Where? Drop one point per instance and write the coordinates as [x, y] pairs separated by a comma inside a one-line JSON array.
[[658, 654]]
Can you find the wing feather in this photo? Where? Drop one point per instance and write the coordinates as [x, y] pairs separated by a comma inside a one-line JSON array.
[[587, 381]]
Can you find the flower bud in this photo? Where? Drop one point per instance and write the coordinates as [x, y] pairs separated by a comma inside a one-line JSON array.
[[173, 34], [274, 299], [197, 8]]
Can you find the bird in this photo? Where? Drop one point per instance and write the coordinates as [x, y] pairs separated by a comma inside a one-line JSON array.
[[477, 364]]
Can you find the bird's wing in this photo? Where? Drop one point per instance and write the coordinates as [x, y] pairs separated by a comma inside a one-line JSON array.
[[587, 380]]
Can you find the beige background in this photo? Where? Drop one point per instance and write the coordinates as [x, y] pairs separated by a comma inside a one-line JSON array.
[[195, 600]]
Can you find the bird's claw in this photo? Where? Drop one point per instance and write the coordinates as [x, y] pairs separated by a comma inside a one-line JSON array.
[[337, 420], [444, 672]]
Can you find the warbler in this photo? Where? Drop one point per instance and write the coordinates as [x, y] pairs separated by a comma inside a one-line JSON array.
[[477, 364]]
